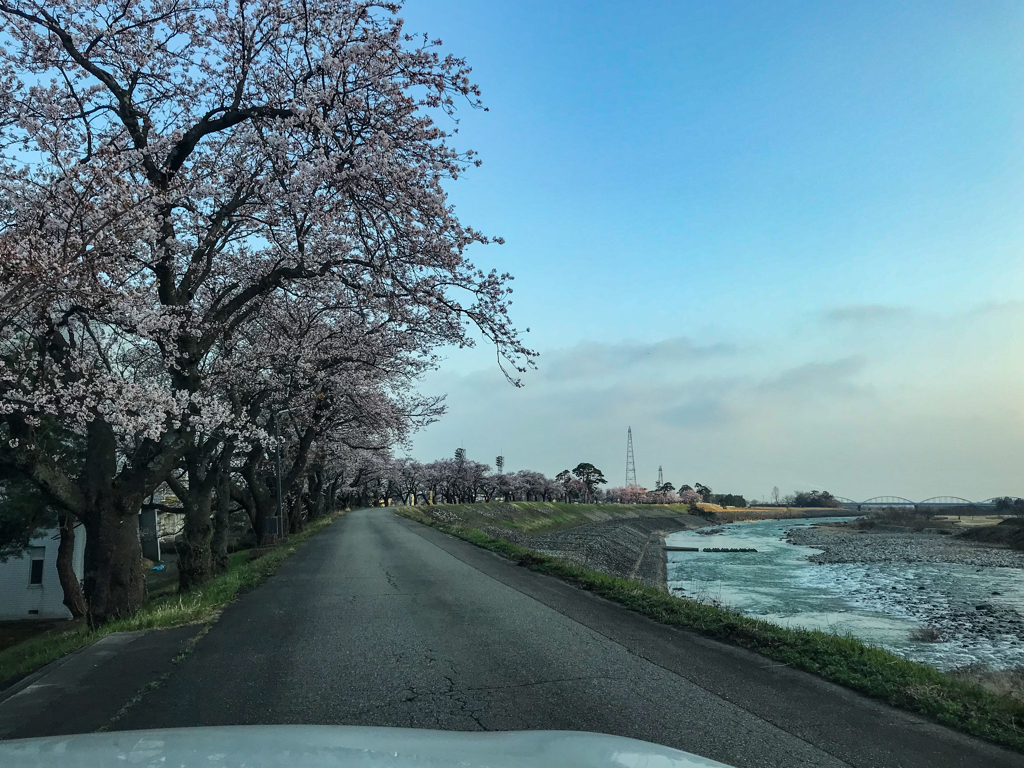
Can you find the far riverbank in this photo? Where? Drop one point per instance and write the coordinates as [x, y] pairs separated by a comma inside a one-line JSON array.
[[847, 545]]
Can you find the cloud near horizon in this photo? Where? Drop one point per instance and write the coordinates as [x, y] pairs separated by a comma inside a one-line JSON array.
[[928, 406]]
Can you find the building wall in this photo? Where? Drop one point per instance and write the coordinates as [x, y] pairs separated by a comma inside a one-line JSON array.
[[18, 597], [170, 524]]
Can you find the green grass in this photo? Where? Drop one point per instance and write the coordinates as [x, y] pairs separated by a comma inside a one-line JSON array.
[[535, 517], [196, 607], [840, 659]]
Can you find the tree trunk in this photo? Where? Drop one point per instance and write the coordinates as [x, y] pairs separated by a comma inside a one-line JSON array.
[[106, 497], [259, 528], [114, 583], [293, 510], [328, 498], [221, 523], [74, 599], [318, 489], [195, 556], [241, 495], [208, 467]]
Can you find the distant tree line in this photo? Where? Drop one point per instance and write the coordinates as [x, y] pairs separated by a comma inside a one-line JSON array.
[[1010, 505], [801, 499], [461, 480]]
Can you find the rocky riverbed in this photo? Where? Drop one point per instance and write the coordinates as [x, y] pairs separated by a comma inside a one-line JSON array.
[[936, 598], [850, 546]]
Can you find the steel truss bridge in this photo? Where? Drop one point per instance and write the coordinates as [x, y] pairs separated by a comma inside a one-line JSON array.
[[933, 502]]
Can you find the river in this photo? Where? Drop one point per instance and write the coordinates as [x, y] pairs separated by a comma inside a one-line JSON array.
[[880, 603]]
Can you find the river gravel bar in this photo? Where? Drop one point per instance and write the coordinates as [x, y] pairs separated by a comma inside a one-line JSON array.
[[841, 546]]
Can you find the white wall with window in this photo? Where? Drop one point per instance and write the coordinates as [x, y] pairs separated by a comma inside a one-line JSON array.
[[29, 586]]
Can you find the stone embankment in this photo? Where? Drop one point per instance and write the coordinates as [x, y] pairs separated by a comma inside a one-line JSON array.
[[847, 546], [628, 548]]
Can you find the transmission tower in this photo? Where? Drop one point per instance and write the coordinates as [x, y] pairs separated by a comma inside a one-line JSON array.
[[661, 480], [630, 464]]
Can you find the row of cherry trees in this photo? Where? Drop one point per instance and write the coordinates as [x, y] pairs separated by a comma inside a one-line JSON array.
[[666, 494], [379, 478], [223, 237]]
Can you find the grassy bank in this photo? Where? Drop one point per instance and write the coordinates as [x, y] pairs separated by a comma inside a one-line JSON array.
[[536, 517], [199, 606], [541, 516], [843, 660]]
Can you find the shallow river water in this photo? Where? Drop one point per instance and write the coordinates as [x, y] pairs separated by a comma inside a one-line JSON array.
[[880, 603]]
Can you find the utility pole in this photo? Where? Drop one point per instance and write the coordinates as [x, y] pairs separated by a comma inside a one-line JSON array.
[[277, 457]]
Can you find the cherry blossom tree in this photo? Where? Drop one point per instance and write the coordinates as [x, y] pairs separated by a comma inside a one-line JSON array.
[[333, 378], [661, 497], [633, 494], [406, 475], [575, 489], [169, 168], [690, 497]]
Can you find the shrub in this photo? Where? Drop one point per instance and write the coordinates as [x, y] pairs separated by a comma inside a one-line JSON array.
[[815, 499], [729, 500]]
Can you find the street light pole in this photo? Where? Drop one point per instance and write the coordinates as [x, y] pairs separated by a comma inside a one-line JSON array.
[[277, 452]]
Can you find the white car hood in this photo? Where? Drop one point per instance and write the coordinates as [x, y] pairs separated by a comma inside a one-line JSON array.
[[328, 746]]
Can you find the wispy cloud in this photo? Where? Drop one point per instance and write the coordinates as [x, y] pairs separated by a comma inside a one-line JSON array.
[[866, 314], [832, 378], [589, 358]]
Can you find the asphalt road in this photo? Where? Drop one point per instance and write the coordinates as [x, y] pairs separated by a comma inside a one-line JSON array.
[[380, 621]]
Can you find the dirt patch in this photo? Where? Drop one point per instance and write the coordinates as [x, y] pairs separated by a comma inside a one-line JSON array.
[[971, 521], [14, 632]]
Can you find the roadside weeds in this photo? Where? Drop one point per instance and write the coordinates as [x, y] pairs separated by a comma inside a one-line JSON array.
[[200, 606], [840, 659]]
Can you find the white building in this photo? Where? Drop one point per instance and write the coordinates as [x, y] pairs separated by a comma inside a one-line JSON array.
[[29, 586]]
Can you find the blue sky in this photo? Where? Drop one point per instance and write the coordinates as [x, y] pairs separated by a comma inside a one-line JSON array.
[[778, 239]]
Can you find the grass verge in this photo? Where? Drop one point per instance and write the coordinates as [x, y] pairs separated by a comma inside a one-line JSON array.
[[840, 659], [196, 607]]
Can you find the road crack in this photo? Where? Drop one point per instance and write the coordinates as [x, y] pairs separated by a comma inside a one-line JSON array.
[[461, 699]]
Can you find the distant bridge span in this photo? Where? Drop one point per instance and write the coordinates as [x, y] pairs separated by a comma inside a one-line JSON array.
[[899, 501]]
